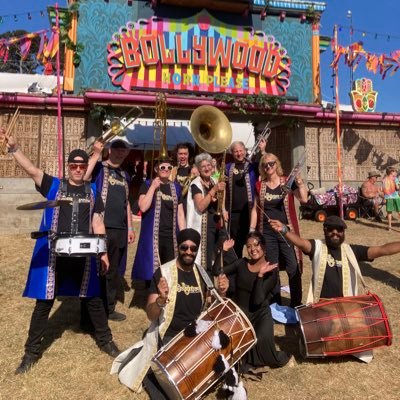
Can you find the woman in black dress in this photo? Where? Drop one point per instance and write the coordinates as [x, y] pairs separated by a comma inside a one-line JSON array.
[[254, 280]]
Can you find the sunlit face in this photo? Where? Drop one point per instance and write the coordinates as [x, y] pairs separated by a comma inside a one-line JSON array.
[[187, 252], [77, 170], [239, 153], [254, 249], [270, 165], [164, 170], [205, 168], [334, 236], [183, 157]]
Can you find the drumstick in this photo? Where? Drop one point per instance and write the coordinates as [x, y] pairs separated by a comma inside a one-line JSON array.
[[10, 126], [269, 219]]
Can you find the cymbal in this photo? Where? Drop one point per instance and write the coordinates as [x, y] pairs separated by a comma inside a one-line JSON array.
[[39, 205]]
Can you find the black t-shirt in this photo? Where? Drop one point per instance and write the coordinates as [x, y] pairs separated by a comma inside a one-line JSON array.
[[332, 285], [188, 303], [240, 201], [182, 174], [274, 206], [212, 207], [116, 203], [167, 224], [65, 214]]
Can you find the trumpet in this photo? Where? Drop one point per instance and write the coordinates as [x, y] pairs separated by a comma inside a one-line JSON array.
[[119, 125], [266, 132]]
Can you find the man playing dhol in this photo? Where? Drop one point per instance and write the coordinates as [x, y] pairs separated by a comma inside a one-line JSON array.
[[335, 269], [177, 297]]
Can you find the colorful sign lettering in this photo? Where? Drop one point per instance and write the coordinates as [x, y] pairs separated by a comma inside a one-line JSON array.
[[363, 97], [198, 54]]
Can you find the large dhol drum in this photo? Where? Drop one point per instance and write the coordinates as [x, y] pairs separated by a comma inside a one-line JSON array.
[[80, 245], [344, 325], [184, 367]]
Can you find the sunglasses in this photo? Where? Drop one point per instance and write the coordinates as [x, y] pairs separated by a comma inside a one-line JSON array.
[[269, 164], [186, 247], [165, 168], [74, 167], [334, 228]]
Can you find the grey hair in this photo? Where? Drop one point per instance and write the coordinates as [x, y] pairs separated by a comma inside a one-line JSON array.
[[236, 143], [202, 157]]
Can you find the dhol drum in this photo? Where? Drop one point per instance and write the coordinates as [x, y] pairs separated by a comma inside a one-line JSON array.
[[80, 245], [344, 325], [184, 367]]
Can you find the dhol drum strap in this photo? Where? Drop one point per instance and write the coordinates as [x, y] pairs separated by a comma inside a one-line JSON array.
[[208, 282]]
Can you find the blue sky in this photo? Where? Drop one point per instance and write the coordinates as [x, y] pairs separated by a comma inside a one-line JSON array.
[[377, 17]]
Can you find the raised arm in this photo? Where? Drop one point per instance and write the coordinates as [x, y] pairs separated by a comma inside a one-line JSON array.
[[25, 163], [303, 244], [387, 249], [301, 192], [96, 156], [145, 200]]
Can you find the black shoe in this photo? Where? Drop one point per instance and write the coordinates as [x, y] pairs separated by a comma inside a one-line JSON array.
[[28, 360], [378, 219], [111, 349], [116, 316]]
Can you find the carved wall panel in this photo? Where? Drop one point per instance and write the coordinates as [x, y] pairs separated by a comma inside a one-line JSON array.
[[36, 133]]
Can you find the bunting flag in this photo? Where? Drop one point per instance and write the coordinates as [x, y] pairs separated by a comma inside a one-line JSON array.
[[355, 53], [48, 48]]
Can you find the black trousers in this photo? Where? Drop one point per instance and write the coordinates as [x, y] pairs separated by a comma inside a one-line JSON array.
[[40, 317], [239, 229], [278, 251], [116, 247]]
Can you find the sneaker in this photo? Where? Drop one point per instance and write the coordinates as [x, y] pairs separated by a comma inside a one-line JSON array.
[[111, 349], [116, 316], [28, 360]]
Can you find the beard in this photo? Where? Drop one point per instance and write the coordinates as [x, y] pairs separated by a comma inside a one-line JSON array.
[[186, 260], [334, 241]]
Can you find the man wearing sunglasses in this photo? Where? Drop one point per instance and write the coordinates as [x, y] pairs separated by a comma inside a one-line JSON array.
[[176, 299], [162, 217], [335, 269], [51, 275], [113, 183]]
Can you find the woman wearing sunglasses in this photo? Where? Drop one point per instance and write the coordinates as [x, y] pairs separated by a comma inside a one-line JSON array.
[[202, 205], [273, 202], [162, 217], [253, 279]]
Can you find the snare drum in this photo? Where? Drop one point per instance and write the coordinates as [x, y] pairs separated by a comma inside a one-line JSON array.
[[344, 325], [80, 245], [184, 367]]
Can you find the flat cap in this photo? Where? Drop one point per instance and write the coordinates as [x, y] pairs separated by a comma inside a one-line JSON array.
[[334, 221]]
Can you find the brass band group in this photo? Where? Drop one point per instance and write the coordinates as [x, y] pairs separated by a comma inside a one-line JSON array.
[[212, 242]]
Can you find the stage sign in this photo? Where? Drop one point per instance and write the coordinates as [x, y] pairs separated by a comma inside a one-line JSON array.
[[198, 54], [363, 97]]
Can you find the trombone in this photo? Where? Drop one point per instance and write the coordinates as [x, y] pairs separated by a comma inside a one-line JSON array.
[[266, 132], [119, 125], [10, 127]]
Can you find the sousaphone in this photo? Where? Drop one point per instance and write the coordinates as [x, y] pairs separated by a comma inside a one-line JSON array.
[[211, 129]]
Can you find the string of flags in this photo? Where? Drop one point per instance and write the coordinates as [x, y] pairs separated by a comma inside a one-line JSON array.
[[48, 47], [354, 53], [28, 15], [365, 33]]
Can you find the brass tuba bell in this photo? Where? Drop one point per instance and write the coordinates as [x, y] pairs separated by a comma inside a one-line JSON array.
[[211, 129]]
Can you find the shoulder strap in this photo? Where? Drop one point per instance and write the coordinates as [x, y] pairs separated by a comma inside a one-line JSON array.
[[63, 186]]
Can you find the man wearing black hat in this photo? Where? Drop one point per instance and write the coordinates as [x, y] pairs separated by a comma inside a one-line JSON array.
[[113, 184], [51, 275], [177, 296], [335, 269]]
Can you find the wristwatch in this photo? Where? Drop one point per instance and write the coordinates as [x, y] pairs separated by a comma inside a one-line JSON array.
[[161, 305], [284, 230]]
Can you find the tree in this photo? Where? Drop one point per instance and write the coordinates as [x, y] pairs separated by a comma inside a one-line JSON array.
[[15, 63]]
